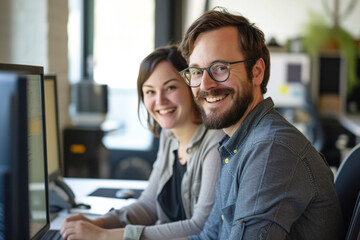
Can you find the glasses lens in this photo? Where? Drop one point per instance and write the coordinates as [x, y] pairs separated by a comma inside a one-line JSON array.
[[219, 71], [194, 75]]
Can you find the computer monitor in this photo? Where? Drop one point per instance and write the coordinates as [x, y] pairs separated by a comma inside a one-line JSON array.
[[52, 128], [23, 174], [89, 103], [289, 77], [60, 195], [13, 157], [350, 93]]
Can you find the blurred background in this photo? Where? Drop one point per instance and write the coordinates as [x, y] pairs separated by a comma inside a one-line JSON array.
[[95, 47]]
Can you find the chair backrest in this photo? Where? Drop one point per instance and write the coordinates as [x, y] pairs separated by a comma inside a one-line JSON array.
[[354, 227], [347, 183]]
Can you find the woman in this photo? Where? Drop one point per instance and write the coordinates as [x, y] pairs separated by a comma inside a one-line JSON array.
[[180, 191]]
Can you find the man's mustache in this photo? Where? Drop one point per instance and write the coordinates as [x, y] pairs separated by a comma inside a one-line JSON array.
[[215, 92]]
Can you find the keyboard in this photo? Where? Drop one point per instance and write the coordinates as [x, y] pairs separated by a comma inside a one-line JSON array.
[[52, 235]]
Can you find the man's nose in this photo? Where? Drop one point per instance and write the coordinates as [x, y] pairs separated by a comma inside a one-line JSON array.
[[206, 81]]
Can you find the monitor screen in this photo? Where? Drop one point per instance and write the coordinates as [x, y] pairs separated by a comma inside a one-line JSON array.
[[60, 195], [89, 103], [290, 73], [37, 159], [52, 130]]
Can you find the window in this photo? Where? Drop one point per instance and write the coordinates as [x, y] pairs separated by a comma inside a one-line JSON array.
[[123, 36], [117, 35]]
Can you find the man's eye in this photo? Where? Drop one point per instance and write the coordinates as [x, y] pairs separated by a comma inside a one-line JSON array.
[[219, 68], [195, 72]]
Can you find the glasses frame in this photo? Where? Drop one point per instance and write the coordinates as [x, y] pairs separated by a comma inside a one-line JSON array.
[[227, 64]]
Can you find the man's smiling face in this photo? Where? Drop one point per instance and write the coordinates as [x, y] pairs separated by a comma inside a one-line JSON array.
[[223, 104]]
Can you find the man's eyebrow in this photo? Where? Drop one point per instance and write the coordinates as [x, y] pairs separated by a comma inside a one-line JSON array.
[[196, 65], [193, 65]]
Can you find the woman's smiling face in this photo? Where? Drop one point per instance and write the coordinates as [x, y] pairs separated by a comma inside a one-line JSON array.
[[167, 97]]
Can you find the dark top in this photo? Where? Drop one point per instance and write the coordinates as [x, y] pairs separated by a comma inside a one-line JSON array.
[[170, 196]]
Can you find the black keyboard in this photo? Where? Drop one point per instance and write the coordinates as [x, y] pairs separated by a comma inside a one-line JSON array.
[[52, 235]]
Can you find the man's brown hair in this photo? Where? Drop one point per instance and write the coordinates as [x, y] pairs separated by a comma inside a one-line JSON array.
[[251, 39]]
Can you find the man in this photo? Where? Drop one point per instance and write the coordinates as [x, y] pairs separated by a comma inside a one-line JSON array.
[[272, 184]]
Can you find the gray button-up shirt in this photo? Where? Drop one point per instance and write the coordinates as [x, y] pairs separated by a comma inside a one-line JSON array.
[[273, 184]]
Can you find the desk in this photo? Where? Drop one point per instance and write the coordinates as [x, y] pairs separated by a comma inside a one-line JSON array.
[[82, 187]]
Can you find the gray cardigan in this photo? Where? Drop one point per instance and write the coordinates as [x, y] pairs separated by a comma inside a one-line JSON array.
[[145, 219]]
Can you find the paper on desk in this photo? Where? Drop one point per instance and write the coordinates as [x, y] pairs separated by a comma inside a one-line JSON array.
[[100, 205]]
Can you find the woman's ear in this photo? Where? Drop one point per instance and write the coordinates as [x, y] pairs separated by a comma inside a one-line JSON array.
[[258, 72]]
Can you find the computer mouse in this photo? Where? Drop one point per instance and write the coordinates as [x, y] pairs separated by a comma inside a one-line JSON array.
[[124, 193]]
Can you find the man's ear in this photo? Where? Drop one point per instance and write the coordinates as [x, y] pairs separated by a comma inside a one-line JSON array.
[[258, 72]]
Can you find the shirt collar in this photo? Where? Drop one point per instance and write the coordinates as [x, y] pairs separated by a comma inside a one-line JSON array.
[[196, 139], [247, 125]]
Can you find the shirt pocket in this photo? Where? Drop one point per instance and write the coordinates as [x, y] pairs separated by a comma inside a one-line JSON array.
[[234, 229], [228, 214]]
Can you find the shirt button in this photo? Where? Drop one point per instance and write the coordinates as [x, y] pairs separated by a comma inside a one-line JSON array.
[[186, 195], [189, 150], [222, 217], [235, 151], [226, 160]]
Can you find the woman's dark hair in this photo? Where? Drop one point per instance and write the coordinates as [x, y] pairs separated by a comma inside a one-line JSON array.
[[251, 39], [172, 55]]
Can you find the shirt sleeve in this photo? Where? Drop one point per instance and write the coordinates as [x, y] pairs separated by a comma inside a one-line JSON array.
[[211, 227], [270, 198], [143, 211]]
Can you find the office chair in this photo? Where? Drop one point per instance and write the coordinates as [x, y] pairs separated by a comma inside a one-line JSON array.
[[354, 227], [347, 184]]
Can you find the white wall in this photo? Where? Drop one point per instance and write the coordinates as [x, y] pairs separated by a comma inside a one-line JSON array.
[[282, 19], [26, 32], [35, 33]]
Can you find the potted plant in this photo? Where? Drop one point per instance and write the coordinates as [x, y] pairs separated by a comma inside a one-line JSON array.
[[321, 37]]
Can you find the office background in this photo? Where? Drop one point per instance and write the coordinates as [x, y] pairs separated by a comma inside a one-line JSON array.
[[58, 36]]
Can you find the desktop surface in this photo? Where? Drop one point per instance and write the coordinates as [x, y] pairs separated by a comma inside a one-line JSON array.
[[82, 187]]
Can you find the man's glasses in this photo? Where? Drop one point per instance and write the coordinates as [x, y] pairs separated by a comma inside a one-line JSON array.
[[218, 71]]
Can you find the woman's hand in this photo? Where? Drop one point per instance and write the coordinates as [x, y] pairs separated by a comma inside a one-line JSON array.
[[81, 227], [98, 222]]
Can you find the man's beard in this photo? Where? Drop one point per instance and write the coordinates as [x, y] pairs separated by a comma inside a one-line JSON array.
[[215, 120]]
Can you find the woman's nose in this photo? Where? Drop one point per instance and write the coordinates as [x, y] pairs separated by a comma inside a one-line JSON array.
[[161, 98]]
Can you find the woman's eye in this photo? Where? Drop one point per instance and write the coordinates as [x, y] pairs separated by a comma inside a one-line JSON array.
[[171, 88], [149, 92]]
